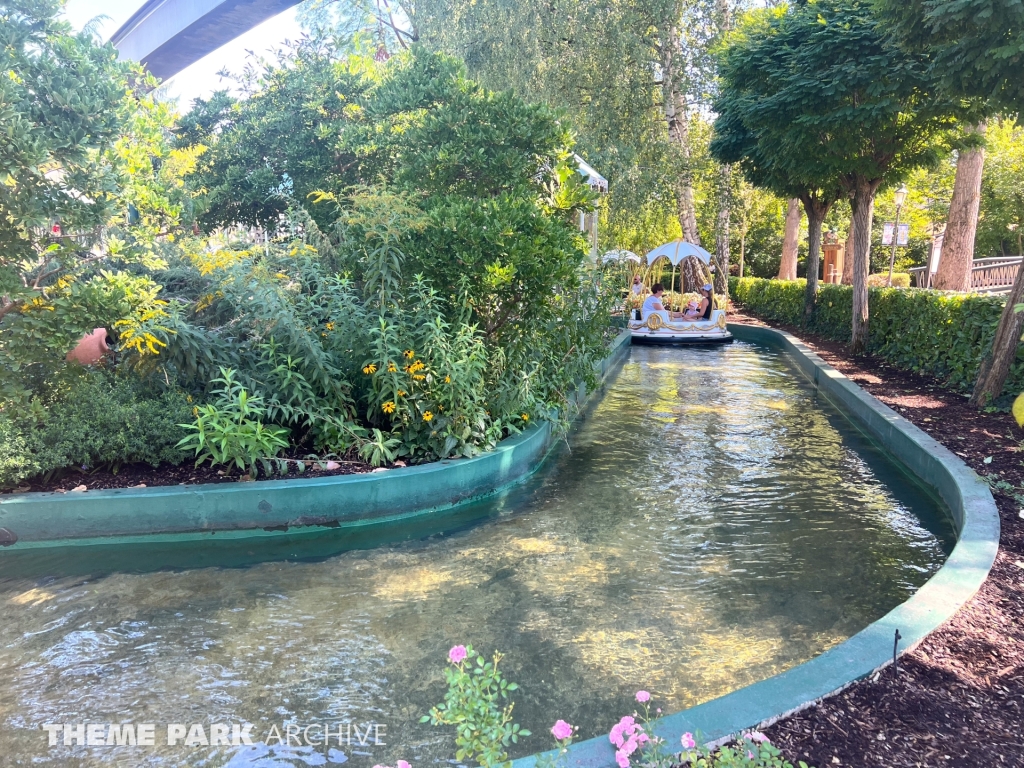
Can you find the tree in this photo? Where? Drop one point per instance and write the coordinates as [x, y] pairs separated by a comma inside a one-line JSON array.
[[977, 52], [91, 185], [837, 83], [976, 47], [60, 105], [1001, 228], [787, 267], [754, 70], [954, 273], [280, 143]]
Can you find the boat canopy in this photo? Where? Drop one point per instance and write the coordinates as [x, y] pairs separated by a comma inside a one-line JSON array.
[[678, 250]]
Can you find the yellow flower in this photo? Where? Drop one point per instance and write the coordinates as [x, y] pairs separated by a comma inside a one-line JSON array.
[[409, 354], [447, 379], [281, 276], [427, 416], [329, 326], [195, 410], [525, 416], [391, 368], [419, 377], [401, 393], [371, 368], [388, 407]]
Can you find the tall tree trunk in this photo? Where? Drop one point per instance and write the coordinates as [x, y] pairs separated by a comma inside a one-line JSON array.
[[962, 223], [722, 230], [863, 205], [816, 212], [847, 278], [995, 366], [743, 248], [676, 116], [790, 241]]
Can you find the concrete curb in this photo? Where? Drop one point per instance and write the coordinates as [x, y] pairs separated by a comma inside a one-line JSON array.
[[279, 507], [977, 523]]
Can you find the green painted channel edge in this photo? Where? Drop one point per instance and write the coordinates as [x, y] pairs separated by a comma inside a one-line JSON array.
[[977, 524], [280, 507]]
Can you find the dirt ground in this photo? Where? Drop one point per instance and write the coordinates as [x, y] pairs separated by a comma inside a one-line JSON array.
[[958, 698], [144, 475]]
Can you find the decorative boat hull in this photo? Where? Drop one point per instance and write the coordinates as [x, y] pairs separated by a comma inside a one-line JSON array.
[[660, 329]]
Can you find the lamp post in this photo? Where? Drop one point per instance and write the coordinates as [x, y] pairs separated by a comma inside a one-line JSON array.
[[899, 197]]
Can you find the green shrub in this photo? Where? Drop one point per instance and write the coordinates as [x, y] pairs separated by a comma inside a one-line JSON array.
[[937, 334], [15, 460], [92, 419], [230, 430]]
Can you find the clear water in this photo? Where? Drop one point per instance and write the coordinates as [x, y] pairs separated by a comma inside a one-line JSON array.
[[713, 523]]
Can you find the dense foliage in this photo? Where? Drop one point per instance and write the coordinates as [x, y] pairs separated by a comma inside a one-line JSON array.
[[416, 286], [941, 335], [977, 46]]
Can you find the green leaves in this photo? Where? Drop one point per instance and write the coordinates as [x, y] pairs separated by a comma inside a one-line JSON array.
[[483, 726], [230, 432]]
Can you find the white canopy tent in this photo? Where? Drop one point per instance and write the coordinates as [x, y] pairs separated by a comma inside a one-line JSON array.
[[678, 250]]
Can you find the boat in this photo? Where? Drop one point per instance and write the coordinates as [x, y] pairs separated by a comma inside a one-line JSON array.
[[658, 327]]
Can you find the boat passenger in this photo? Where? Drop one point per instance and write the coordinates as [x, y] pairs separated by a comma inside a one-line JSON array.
[[703, 311], [653, 303], [638, 285]]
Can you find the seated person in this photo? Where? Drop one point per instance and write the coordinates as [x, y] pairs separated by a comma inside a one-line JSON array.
[[703, 310], [653, 303]]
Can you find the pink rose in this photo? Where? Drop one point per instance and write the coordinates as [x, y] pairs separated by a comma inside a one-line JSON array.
[[643, 697], [755, 736], [622, 759], [630, 746], [402, 764], [457, 654], [560, 730], [688, 742], [643, 738], [615, 735]]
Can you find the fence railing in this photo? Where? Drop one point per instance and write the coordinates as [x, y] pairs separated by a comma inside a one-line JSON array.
[[992, 275]]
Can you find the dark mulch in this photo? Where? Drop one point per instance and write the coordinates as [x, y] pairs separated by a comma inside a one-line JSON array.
[[958, 698], [145, 476]]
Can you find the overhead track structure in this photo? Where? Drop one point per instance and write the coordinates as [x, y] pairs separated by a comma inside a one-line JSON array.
[[169, 35]]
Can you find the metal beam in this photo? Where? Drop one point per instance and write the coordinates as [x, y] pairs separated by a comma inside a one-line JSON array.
[[168, 35]]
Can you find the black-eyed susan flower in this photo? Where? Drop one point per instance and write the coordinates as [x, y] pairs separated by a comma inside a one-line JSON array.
[[428, 416], [388, 407], [371, 368]]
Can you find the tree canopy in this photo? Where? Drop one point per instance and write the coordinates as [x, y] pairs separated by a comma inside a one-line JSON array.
[[816, 96], [976, 47]]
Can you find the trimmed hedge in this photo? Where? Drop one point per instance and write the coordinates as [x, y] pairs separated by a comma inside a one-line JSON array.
[[941, 335]]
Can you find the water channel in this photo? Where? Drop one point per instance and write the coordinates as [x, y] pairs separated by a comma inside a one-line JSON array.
[[709, 523]]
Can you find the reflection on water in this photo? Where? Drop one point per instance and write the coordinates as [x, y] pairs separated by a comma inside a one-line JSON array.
[[713, 524]]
